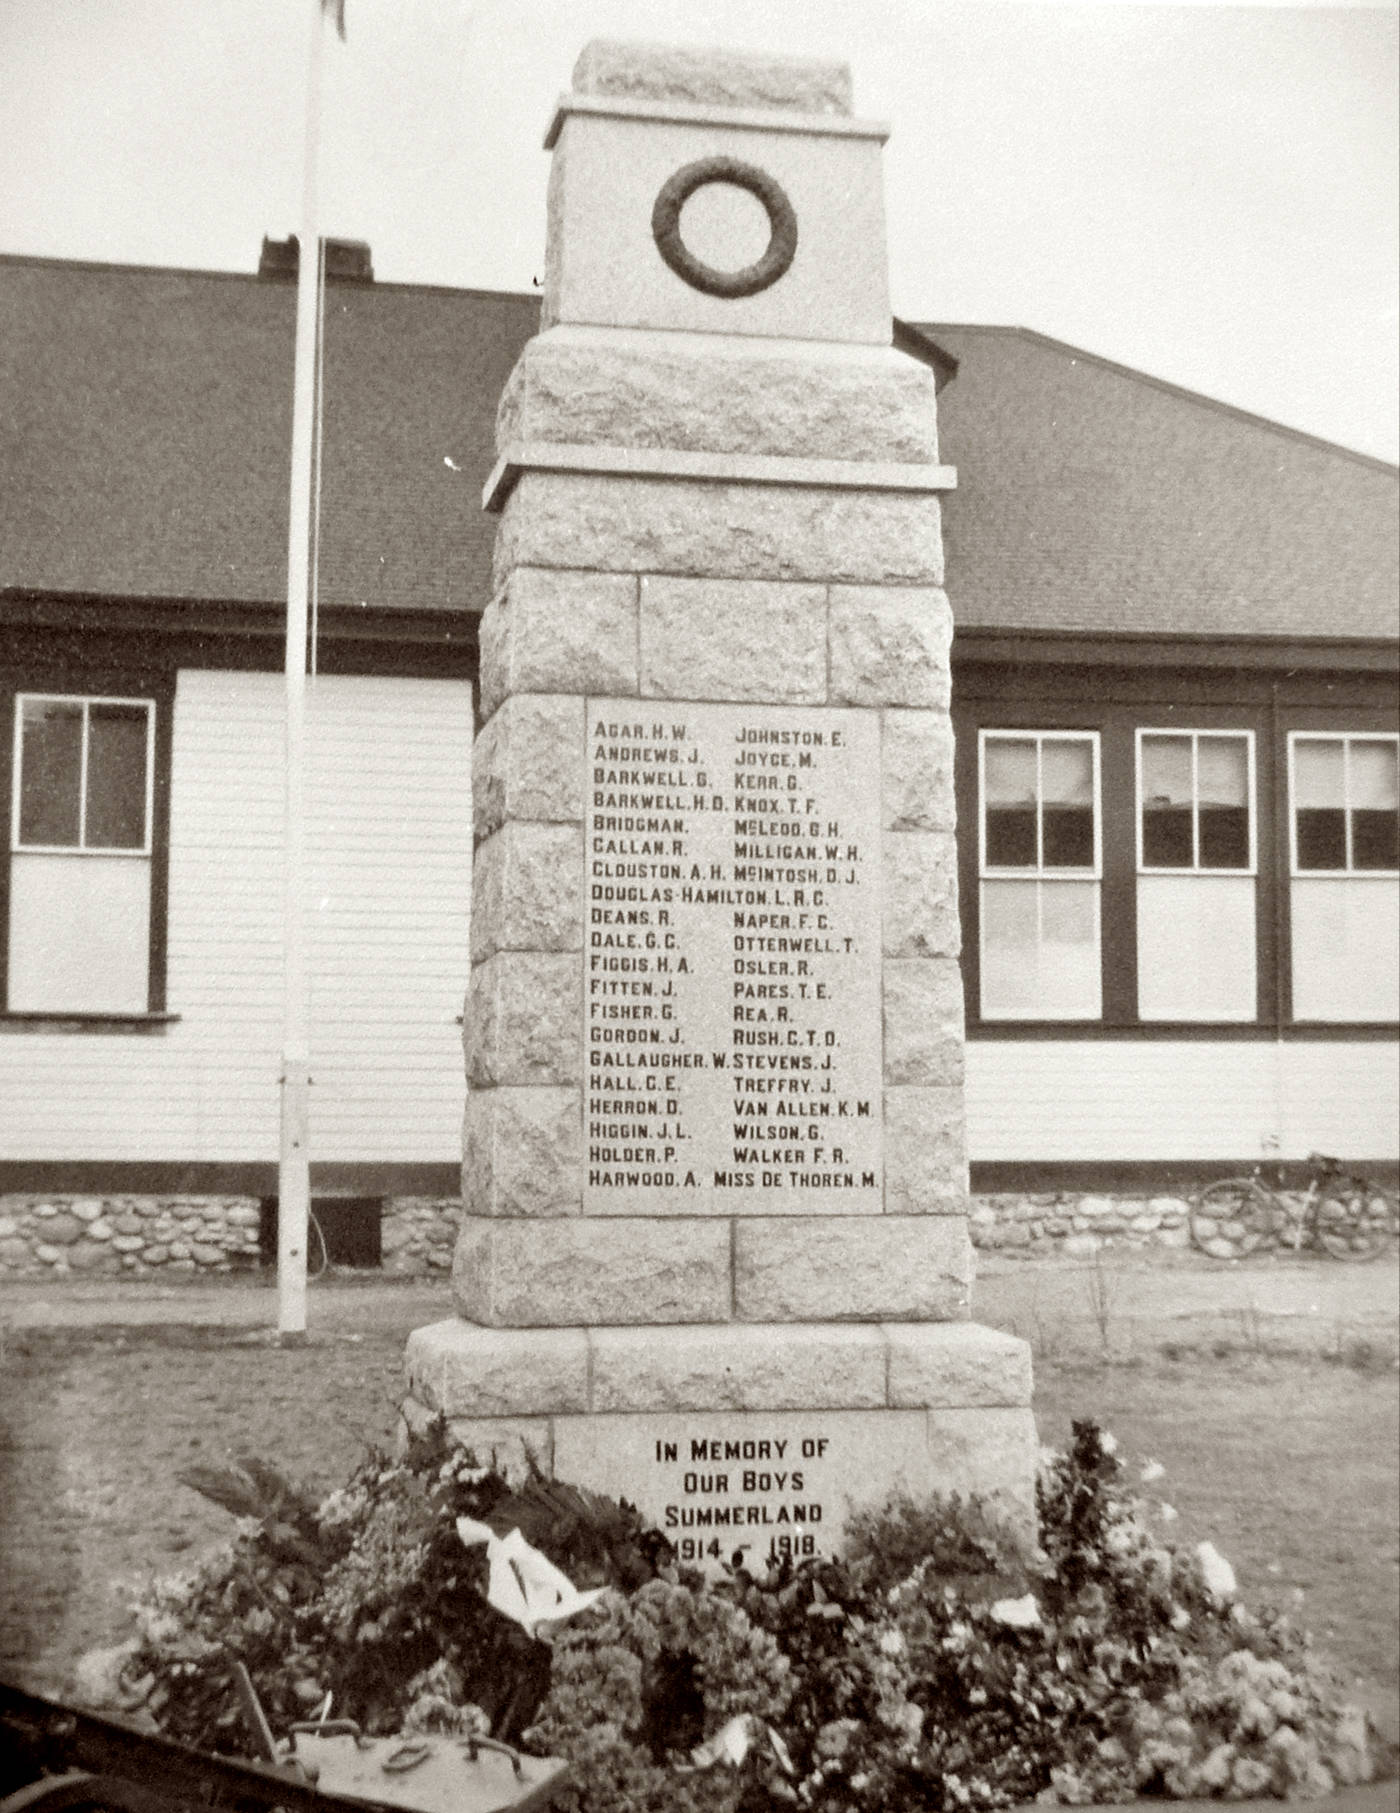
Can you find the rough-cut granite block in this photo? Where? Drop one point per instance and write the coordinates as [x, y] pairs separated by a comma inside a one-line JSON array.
[[924, 1035], [889, 646], [528, 763], [989, 1452], [720, 529], [916, 771], [956, 1366], [590, 1272], [527, 890], [708, 393], [925, 1151], [883, 1269], [523, 1152], [920, 901], [733, 639], [712, 78], [738, 1367], [550, 631], [461, 1369], [524, 1019]]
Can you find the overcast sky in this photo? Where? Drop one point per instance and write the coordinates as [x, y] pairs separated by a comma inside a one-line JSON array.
[[1207, 193]]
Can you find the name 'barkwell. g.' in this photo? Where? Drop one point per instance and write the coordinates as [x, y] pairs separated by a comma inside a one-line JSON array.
[[714, 1256]]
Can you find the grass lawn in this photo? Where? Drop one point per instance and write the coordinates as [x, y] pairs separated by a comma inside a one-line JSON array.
[[1289, 1465]]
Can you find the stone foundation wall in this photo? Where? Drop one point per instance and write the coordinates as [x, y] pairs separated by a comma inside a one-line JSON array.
[[173, 1236], [1074, 1225], [48, 1236], [418, 1235], [53, 1236]]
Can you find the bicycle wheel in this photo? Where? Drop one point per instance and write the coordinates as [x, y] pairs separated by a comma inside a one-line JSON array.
[[1233, 1217], [1354, 1219]]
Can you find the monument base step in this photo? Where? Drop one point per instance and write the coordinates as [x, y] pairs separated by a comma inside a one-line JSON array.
[[741, 1435]]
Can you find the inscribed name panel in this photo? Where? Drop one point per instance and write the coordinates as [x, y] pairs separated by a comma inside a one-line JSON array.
[[732, 960]]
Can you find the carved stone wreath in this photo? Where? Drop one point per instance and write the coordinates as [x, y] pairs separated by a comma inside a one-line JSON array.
[[677, 190]]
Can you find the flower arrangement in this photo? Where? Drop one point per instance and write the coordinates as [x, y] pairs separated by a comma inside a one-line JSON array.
[[935, 1665]]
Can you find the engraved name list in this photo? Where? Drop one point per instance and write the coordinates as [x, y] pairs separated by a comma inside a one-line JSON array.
[[731, 958]]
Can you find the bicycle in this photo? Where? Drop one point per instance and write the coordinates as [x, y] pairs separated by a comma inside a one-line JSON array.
[[1346, 1216]]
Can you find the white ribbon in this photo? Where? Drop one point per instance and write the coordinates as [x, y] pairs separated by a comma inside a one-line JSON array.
[[525, 1585]]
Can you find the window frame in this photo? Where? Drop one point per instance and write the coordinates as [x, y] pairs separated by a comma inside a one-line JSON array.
[[17, 847], [1346, 738], [1023, 871], [155, 688], [1040, 874], [1196, 866]]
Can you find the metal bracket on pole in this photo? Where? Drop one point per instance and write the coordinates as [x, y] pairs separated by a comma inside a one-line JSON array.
[[294, 1200]]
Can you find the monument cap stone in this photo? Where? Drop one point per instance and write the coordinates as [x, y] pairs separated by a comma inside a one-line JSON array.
[[715, 193], [712, 77]]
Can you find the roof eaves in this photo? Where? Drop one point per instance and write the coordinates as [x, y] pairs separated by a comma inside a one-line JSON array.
[[906, 338]]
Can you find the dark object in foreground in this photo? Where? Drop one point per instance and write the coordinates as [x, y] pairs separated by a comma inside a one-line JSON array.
[[53, 1757]]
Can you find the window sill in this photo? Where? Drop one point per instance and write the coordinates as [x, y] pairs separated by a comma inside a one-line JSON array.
[[11, 1022]]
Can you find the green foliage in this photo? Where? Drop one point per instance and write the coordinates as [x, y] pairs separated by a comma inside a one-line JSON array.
[[367, 1594], [935, 1666], [959, 1539]]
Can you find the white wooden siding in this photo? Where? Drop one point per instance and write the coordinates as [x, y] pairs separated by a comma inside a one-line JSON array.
[[389, 842], [1056, 1100]]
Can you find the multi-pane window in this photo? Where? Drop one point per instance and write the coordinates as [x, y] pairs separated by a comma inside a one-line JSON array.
[[1195, 789], [1196, 909], [1344, 804], [1158, 873], [80, 855], [1039, 875], [1345, 888]]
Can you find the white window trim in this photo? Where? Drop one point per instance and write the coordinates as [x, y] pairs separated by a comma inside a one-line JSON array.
[[1196, 867], [1346, 738], [988, 872], [82, 848]]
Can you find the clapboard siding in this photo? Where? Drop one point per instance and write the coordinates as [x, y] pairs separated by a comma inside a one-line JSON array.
[[1057, 1101], [389, 840]]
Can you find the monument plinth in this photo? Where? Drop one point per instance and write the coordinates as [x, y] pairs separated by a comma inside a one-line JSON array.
[[714, 1255]]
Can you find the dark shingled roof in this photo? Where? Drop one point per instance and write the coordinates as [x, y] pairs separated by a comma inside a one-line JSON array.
[[1091, 497], [145, 427]]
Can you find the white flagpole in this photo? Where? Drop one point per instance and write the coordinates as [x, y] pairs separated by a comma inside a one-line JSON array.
[[293, 1167]]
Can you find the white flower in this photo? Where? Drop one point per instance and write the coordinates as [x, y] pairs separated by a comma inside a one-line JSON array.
[[1216, 1571], [892, 1642], [730, 1744], [1108, 1442], [1020, 1614], [733, 1742], [1167, 1513], [1152, 1469]]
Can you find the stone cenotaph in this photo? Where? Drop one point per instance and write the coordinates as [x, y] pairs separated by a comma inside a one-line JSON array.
[[714, 1255]]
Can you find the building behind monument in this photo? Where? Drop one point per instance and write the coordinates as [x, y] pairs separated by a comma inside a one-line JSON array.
[[1173, 671]]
